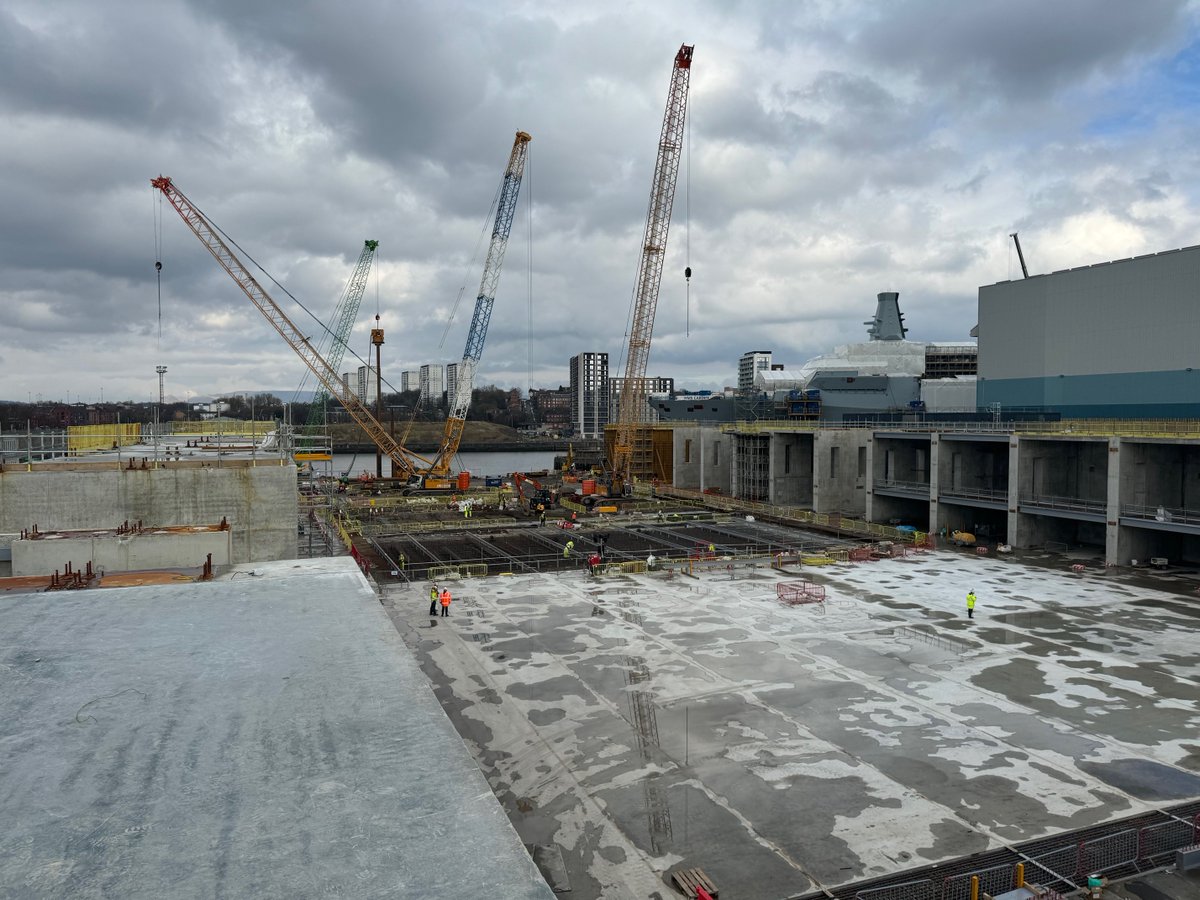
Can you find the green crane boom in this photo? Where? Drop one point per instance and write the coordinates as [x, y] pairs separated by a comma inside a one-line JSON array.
[[344, 316]]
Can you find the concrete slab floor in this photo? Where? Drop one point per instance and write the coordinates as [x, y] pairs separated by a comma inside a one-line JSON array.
[[642, 723]]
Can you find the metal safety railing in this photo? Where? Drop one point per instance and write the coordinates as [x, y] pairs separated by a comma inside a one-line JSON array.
[[1067, 504], [993, 495], [1170, 514], [1056, 868]]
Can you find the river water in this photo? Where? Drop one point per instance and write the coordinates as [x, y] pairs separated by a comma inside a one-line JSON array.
[[479, 464]]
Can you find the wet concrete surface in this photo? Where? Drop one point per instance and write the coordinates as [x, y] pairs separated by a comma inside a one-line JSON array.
[[644, 723]]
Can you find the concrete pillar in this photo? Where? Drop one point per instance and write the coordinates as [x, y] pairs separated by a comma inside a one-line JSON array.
[[1112, 517], [1016, 531], [870, 498], [934, 480]]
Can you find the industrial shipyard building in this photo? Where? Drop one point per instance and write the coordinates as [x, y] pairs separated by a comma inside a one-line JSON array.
[[1080, 435]]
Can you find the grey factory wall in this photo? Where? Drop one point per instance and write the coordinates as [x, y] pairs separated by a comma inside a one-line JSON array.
[[1114, 339], [259, 502]]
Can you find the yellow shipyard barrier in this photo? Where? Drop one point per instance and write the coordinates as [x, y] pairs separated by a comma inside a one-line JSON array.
[[464, 570], [572, 505], [633, 567], [86, 438], [339, 525]]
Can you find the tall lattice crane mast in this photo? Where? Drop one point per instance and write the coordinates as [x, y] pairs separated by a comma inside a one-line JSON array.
[[631, 412], [344, 315], [456, 421], [404, 462]]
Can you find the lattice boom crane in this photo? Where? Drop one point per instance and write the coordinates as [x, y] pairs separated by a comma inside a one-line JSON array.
[[404, 462], [344, 315], [631, 411], [456, 421]]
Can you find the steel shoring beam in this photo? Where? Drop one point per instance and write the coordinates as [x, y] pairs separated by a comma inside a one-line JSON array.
[[500, 554], [430, 557], [396, 567], [547, 542]]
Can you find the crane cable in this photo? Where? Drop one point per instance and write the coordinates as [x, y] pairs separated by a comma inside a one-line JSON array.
[[471, 263], [217, 228], [687, 233], [157, 209]]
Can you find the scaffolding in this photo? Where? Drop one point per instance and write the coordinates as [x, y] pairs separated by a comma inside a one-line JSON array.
[[752, 470]]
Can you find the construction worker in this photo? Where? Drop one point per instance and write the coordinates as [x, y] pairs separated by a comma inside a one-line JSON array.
[[433, 599], [971, 604], [593, 563], [650, 561], [542, 517], [445, 602], [567, 549]]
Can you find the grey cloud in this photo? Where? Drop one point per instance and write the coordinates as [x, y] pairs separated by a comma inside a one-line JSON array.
[[1018, 50]]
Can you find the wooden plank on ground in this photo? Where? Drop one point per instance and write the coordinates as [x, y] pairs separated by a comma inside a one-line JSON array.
[[687, 880]]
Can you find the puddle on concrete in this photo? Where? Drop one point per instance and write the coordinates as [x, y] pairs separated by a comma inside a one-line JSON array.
[[1145, 779], [1034, 619]]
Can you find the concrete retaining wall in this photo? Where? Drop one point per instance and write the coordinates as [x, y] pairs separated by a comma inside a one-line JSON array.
[[259, 503], [108, 552]]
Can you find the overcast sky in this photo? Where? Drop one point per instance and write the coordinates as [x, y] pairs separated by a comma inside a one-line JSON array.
[[835, 149]]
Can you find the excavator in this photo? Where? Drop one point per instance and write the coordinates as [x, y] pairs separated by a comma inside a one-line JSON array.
[[541, 495]]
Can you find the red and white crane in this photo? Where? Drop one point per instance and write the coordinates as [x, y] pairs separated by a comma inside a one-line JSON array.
[[632, 415]]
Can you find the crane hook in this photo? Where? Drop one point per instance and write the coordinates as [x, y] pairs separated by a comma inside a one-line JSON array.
[[157, 265], [687, 273]]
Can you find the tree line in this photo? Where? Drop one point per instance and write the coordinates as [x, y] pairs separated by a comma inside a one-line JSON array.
[[502, 406]]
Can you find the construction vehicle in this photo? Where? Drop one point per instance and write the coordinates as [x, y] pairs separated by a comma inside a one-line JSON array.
[[506, 205], [540, 497], [405, 463], [631, 449], [344, 316]]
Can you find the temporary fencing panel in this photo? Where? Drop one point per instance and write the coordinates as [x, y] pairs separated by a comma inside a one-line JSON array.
[[1109, 852], [993, 881], [1166, 837], [1057, 865]]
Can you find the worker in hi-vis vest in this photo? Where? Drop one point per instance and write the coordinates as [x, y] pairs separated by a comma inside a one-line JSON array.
[[433, 599], [970, 604], [567, 549], [445, 603]]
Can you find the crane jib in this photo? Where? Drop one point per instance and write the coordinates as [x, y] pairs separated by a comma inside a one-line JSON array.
[[404, 462], [631, 408]]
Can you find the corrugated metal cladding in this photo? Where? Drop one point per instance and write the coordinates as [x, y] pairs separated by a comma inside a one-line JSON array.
[[1125, 333], [1136, 315]]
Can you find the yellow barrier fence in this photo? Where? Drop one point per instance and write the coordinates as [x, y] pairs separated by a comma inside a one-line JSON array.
[[462, 570], [88, 438]]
